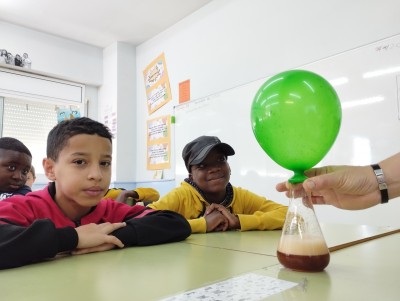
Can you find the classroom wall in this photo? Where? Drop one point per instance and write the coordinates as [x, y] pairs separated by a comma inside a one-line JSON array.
[[228, 43], [117, 98], [58, 57], [54, 55]]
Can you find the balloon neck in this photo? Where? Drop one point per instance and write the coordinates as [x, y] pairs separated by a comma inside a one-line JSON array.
[[299, 177]]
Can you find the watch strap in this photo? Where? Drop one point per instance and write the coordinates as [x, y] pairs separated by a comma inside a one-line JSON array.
[[381, 182]]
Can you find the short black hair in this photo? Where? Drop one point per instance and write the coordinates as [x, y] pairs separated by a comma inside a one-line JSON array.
[[62, 132], [14, 144]]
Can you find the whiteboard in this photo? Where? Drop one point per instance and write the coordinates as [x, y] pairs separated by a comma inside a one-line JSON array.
[[367, 80]]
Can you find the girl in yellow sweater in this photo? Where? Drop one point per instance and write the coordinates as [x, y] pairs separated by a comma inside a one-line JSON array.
[[208, 200]]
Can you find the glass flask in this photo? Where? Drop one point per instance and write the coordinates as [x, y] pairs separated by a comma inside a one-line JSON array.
[[302, 246]]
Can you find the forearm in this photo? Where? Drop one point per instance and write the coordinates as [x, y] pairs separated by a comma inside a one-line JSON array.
[[154, 228], [125, 195], [263, 220], [391, 170], [198, 225], [23, 245], [147, 194]]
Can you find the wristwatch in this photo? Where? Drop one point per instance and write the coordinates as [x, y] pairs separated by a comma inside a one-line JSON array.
[[381, 183]]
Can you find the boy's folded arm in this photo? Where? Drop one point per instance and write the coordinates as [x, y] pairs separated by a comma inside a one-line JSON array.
[[157, 227], [23, 245]]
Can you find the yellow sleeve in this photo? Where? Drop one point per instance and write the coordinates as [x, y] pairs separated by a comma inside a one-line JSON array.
[[171, 201], [198, 225], [256, 212], [147, 194], [112, 193], [185, 201]]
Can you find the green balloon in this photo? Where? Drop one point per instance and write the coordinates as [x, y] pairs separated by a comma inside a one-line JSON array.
[[296, 118]]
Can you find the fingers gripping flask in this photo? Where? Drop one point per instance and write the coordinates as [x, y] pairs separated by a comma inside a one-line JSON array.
[[302, 246]]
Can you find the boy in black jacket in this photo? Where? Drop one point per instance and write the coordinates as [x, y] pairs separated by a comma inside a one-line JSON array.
[[15, 163], [69, 215]]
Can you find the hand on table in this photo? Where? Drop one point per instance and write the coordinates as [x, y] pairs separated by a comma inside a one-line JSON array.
[[232, 219], [216, 222], [97, 238]]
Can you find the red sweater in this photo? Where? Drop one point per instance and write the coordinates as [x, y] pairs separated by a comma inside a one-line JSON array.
[[34, 222]]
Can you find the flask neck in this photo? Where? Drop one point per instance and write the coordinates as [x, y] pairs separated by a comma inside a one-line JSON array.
[[299, 197]]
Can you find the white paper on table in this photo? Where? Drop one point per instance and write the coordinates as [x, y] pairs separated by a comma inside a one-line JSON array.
[[248, 287]]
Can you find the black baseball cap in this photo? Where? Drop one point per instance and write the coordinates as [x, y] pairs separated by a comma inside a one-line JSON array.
[[196, 151]]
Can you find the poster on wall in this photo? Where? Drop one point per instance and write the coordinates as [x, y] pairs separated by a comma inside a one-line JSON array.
[[66, 113], [158, 90], [110, 119], [184, 91], [159, 143]]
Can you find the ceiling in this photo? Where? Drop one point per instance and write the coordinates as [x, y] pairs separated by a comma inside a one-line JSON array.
[[99, 22]]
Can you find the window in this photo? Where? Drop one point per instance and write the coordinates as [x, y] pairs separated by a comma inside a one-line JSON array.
[[29, 104], [29, 122]]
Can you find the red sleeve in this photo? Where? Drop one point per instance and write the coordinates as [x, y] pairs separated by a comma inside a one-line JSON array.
[[114, 212]]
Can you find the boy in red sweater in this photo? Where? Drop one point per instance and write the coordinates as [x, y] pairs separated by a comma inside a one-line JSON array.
[[69, 215]]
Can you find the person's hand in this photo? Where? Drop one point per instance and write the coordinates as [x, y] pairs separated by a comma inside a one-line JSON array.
[[346, 187], [125, 195], [97, 238], [233, 220], [216, 222]]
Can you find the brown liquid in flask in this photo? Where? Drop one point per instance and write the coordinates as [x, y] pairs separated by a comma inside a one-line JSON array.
[[302, 246]]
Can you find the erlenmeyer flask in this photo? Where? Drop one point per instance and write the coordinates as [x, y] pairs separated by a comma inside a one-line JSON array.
[[302, 245]]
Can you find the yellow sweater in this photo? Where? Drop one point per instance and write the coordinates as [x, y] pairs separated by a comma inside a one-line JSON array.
[[145, 194], [254, 212]]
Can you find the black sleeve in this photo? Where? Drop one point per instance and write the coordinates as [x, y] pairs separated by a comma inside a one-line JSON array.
[[161, 226], [23, 191], [23, 245]]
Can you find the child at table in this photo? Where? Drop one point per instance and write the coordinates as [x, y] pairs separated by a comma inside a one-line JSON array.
[[209, 201], [69, 214], [15, 163]]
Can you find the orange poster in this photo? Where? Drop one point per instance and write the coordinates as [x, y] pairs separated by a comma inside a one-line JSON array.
[[158, 90], [184, 91]]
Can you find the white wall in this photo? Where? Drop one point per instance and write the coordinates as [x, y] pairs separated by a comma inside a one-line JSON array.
[[54, 55], [126, 110], [57, 57], [231, 42], [108, 91], [117, 95]]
